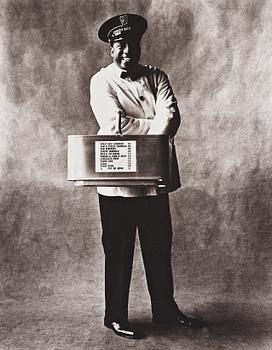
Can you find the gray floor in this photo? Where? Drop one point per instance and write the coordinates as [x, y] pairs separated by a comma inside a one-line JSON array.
[[73, 321]]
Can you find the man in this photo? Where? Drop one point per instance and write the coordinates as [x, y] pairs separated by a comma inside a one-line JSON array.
[[143, 96]]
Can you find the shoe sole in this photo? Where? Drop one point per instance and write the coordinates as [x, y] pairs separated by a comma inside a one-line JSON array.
[[177, 325]]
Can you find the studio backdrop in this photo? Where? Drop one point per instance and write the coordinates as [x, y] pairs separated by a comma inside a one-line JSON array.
[[218, 56]]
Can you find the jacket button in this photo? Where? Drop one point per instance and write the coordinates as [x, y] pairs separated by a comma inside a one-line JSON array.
[[142, 98]]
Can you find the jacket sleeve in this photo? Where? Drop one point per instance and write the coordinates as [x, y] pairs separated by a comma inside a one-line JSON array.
[[106, 107], [167, 115]]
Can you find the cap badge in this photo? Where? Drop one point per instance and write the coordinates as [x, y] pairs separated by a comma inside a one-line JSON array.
[[124, 20]]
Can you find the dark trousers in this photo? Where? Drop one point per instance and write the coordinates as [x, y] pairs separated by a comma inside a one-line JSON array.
[[120, 216]]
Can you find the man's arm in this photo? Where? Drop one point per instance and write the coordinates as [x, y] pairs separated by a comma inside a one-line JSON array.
[[106, 108], [167, 117]]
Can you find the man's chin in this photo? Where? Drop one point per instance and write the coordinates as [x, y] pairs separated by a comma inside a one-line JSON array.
[[128, 66]]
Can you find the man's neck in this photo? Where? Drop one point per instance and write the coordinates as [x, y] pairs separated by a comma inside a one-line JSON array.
[[130, 70]]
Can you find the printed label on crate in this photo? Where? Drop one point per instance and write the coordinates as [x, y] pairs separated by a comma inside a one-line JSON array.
[[115, 156]]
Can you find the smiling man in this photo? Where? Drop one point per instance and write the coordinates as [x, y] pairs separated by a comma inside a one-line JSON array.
[[143, 96], [126, 53]]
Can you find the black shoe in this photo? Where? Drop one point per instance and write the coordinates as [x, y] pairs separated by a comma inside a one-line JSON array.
[[123, 329], [180, 320]]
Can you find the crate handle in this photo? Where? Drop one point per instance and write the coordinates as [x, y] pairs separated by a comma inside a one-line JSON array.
[[118, 127]]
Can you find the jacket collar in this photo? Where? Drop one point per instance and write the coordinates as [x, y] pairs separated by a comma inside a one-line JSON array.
[[137, 73]]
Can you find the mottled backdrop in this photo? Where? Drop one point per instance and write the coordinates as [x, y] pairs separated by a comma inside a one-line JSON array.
[[218, 55]]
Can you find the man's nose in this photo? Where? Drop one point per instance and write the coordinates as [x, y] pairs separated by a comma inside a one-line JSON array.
[[126, 48]]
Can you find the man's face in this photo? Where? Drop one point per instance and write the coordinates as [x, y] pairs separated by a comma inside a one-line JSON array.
[[126, 53]]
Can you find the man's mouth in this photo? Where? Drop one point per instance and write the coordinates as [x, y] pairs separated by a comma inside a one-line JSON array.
[[126, 59]]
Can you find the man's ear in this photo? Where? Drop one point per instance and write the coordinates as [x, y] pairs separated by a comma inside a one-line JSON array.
[[111, 52]]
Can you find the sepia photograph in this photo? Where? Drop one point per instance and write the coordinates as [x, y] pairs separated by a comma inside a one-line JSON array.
[[135, 174]]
